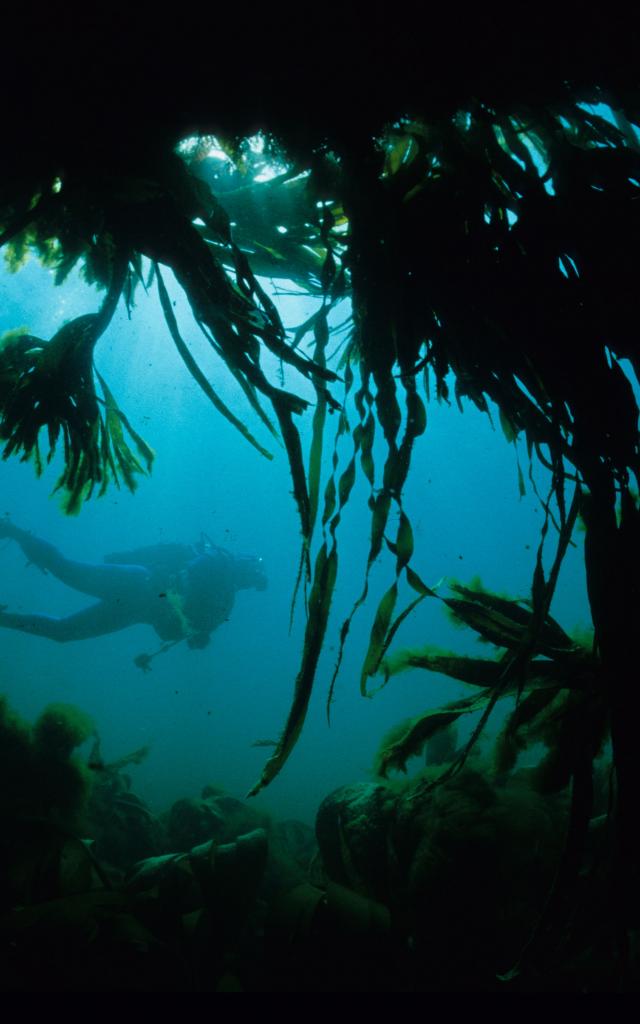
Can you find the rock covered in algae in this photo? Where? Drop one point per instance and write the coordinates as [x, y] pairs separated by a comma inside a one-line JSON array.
[[61, 728], [352, 827], [464, 866], [45, 779]]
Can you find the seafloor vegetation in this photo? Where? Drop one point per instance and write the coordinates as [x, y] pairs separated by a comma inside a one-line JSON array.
[[411, 887], [481, 224]]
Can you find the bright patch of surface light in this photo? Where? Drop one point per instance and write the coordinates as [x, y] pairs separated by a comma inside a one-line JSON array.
[[272, 171], [462, 120], [505, 145], [210, 148], [256, 143], [568, 265], [602, 110], [537, 158], [627, 368], [189, 146], [219, 154]]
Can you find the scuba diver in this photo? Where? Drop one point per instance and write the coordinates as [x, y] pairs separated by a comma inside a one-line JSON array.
[[183, 591]]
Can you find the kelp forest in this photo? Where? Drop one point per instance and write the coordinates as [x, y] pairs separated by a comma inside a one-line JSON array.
[[468, 235]]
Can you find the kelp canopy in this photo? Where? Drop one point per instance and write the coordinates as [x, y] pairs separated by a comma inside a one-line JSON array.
[[476, 195]]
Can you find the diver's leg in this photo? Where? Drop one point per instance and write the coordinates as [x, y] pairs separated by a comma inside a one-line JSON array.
[[97, 620], [128, 583]]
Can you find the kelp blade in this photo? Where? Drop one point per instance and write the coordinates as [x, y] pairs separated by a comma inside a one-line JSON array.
[[421, 728], [324, 578]]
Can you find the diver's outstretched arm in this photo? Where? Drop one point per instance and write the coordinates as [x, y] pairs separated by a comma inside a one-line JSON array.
[[97, 620], [127, 583]]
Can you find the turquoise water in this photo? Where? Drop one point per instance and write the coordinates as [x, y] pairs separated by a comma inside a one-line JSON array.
[[200, 711]]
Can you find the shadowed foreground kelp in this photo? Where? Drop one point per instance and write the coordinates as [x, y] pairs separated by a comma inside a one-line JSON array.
[[491, 234], [559, 701], [558, 697]]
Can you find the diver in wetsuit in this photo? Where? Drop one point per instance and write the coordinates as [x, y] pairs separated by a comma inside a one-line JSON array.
[[183, 591]]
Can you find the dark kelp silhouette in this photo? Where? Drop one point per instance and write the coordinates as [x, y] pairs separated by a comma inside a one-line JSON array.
[[486, 227]]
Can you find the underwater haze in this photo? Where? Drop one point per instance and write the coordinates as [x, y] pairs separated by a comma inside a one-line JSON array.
[[202, 711]]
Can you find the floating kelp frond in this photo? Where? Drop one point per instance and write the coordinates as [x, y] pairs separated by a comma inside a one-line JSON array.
[[504, 621], [394, 477], [195, 370], [121, 458], [513, 737], [97, 764], [324, 578], [408, 738], [477, 671], [562, 708], [552, 634], [490, 625], [526, 631], [568, 722], [50, 386], [578, 672]]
